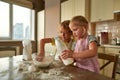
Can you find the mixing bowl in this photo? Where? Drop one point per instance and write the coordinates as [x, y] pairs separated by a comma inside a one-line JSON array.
[[46, 62]]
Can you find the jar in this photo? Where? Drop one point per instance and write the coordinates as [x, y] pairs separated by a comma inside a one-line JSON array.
[[104, 38]]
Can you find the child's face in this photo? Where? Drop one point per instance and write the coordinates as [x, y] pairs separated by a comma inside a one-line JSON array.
[[64, 34], [78, 31]]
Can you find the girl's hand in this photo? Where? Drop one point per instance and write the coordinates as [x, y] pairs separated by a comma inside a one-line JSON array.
[[67, 54], [39, 57], [60, 58]]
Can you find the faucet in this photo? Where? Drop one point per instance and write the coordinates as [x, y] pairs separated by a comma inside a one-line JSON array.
[[114, 41], [117, 42]]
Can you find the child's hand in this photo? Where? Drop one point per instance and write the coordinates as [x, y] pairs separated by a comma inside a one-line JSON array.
[[66, 54], [39, 58], [60, 58]]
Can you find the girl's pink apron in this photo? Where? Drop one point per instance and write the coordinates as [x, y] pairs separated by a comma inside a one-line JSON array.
[[90, 64]]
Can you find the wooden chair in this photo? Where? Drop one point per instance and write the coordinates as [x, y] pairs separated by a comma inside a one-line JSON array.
[[8, 48], [110, 58]]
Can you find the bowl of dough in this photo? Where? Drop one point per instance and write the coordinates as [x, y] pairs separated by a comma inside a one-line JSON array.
[[46, 62]]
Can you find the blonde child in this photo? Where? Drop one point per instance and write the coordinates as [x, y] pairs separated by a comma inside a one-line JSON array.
[[85, 53], [62, 41]]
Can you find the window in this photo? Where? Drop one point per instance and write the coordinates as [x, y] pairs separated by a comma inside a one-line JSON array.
[[4, 20], [17, 22], [22, 23]]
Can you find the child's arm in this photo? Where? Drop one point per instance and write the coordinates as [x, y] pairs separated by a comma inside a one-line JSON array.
[[92, 51], [42, 47]]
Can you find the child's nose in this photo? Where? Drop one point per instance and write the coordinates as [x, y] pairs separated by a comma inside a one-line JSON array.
[[73, 33], [63, 34]]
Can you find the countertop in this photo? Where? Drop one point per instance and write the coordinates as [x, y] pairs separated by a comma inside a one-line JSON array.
[[109, 45]]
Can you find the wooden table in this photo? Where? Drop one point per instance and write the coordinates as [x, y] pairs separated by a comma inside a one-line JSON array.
[[8, 71]]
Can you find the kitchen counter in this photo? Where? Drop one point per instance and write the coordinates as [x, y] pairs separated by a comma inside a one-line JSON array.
[[57, 71], [108, 45]]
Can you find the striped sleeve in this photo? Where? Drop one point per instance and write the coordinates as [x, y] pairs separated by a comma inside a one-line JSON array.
[[92, 38]]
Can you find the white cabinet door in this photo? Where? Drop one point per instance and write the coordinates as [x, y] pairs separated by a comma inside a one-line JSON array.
[[72, 8], [67, 10], [116, 5], [101, 10], [80, 7], [95, 10]]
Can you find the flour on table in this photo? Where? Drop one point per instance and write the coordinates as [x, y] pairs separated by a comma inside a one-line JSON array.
[[56, 74]]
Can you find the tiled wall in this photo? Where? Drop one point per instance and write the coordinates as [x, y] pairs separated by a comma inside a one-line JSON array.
[[112, 27]]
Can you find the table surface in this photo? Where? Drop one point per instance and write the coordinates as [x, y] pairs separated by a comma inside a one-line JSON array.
[[9, 71]]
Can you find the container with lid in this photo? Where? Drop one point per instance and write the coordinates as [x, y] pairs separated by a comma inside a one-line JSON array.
[[104, 38]]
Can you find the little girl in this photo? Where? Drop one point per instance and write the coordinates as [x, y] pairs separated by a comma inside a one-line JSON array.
[[63, 41], [85, 53]]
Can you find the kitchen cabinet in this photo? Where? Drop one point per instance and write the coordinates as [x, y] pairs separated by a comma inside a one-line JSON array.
[[101, 50], [107, 71], [72, 8], [112, 50], [116, 5], [79, 7], [101, 10], [67, 10]]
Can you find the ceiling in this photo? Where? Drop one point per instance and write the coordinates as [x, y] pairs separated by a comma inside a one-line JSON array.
[[43, 0], [39, 5]]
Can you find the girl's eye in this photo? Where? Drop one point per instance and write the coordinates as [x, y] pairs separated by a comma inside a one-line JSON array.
[[74, 29], [67, 32], [61, 32]]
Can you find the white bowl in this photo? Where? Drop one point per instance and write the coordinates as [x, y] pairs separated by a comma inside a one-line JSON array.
[[46, 62]]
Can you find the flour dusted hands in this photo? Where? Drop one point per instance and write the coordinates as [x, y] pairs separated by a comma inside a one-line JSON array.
[[67, 54], [67, 57], [46, 62], [39, 57]]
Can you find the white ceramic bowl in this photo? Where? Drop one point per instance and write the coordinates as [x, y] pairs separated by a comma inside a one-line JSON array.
[[46, 62]]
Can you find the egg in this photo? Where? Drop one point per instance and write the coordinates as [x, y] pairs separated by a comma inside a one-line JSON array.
[[32, 68], [20, 66]]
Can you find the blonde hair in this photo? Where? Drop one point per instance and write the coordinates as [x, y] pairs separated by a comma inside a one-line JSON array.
[[65, 25], [80, 21]]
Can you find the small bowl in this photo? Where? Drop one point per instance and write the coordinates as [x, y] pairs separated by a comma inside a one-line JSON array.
[[46, 62]]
